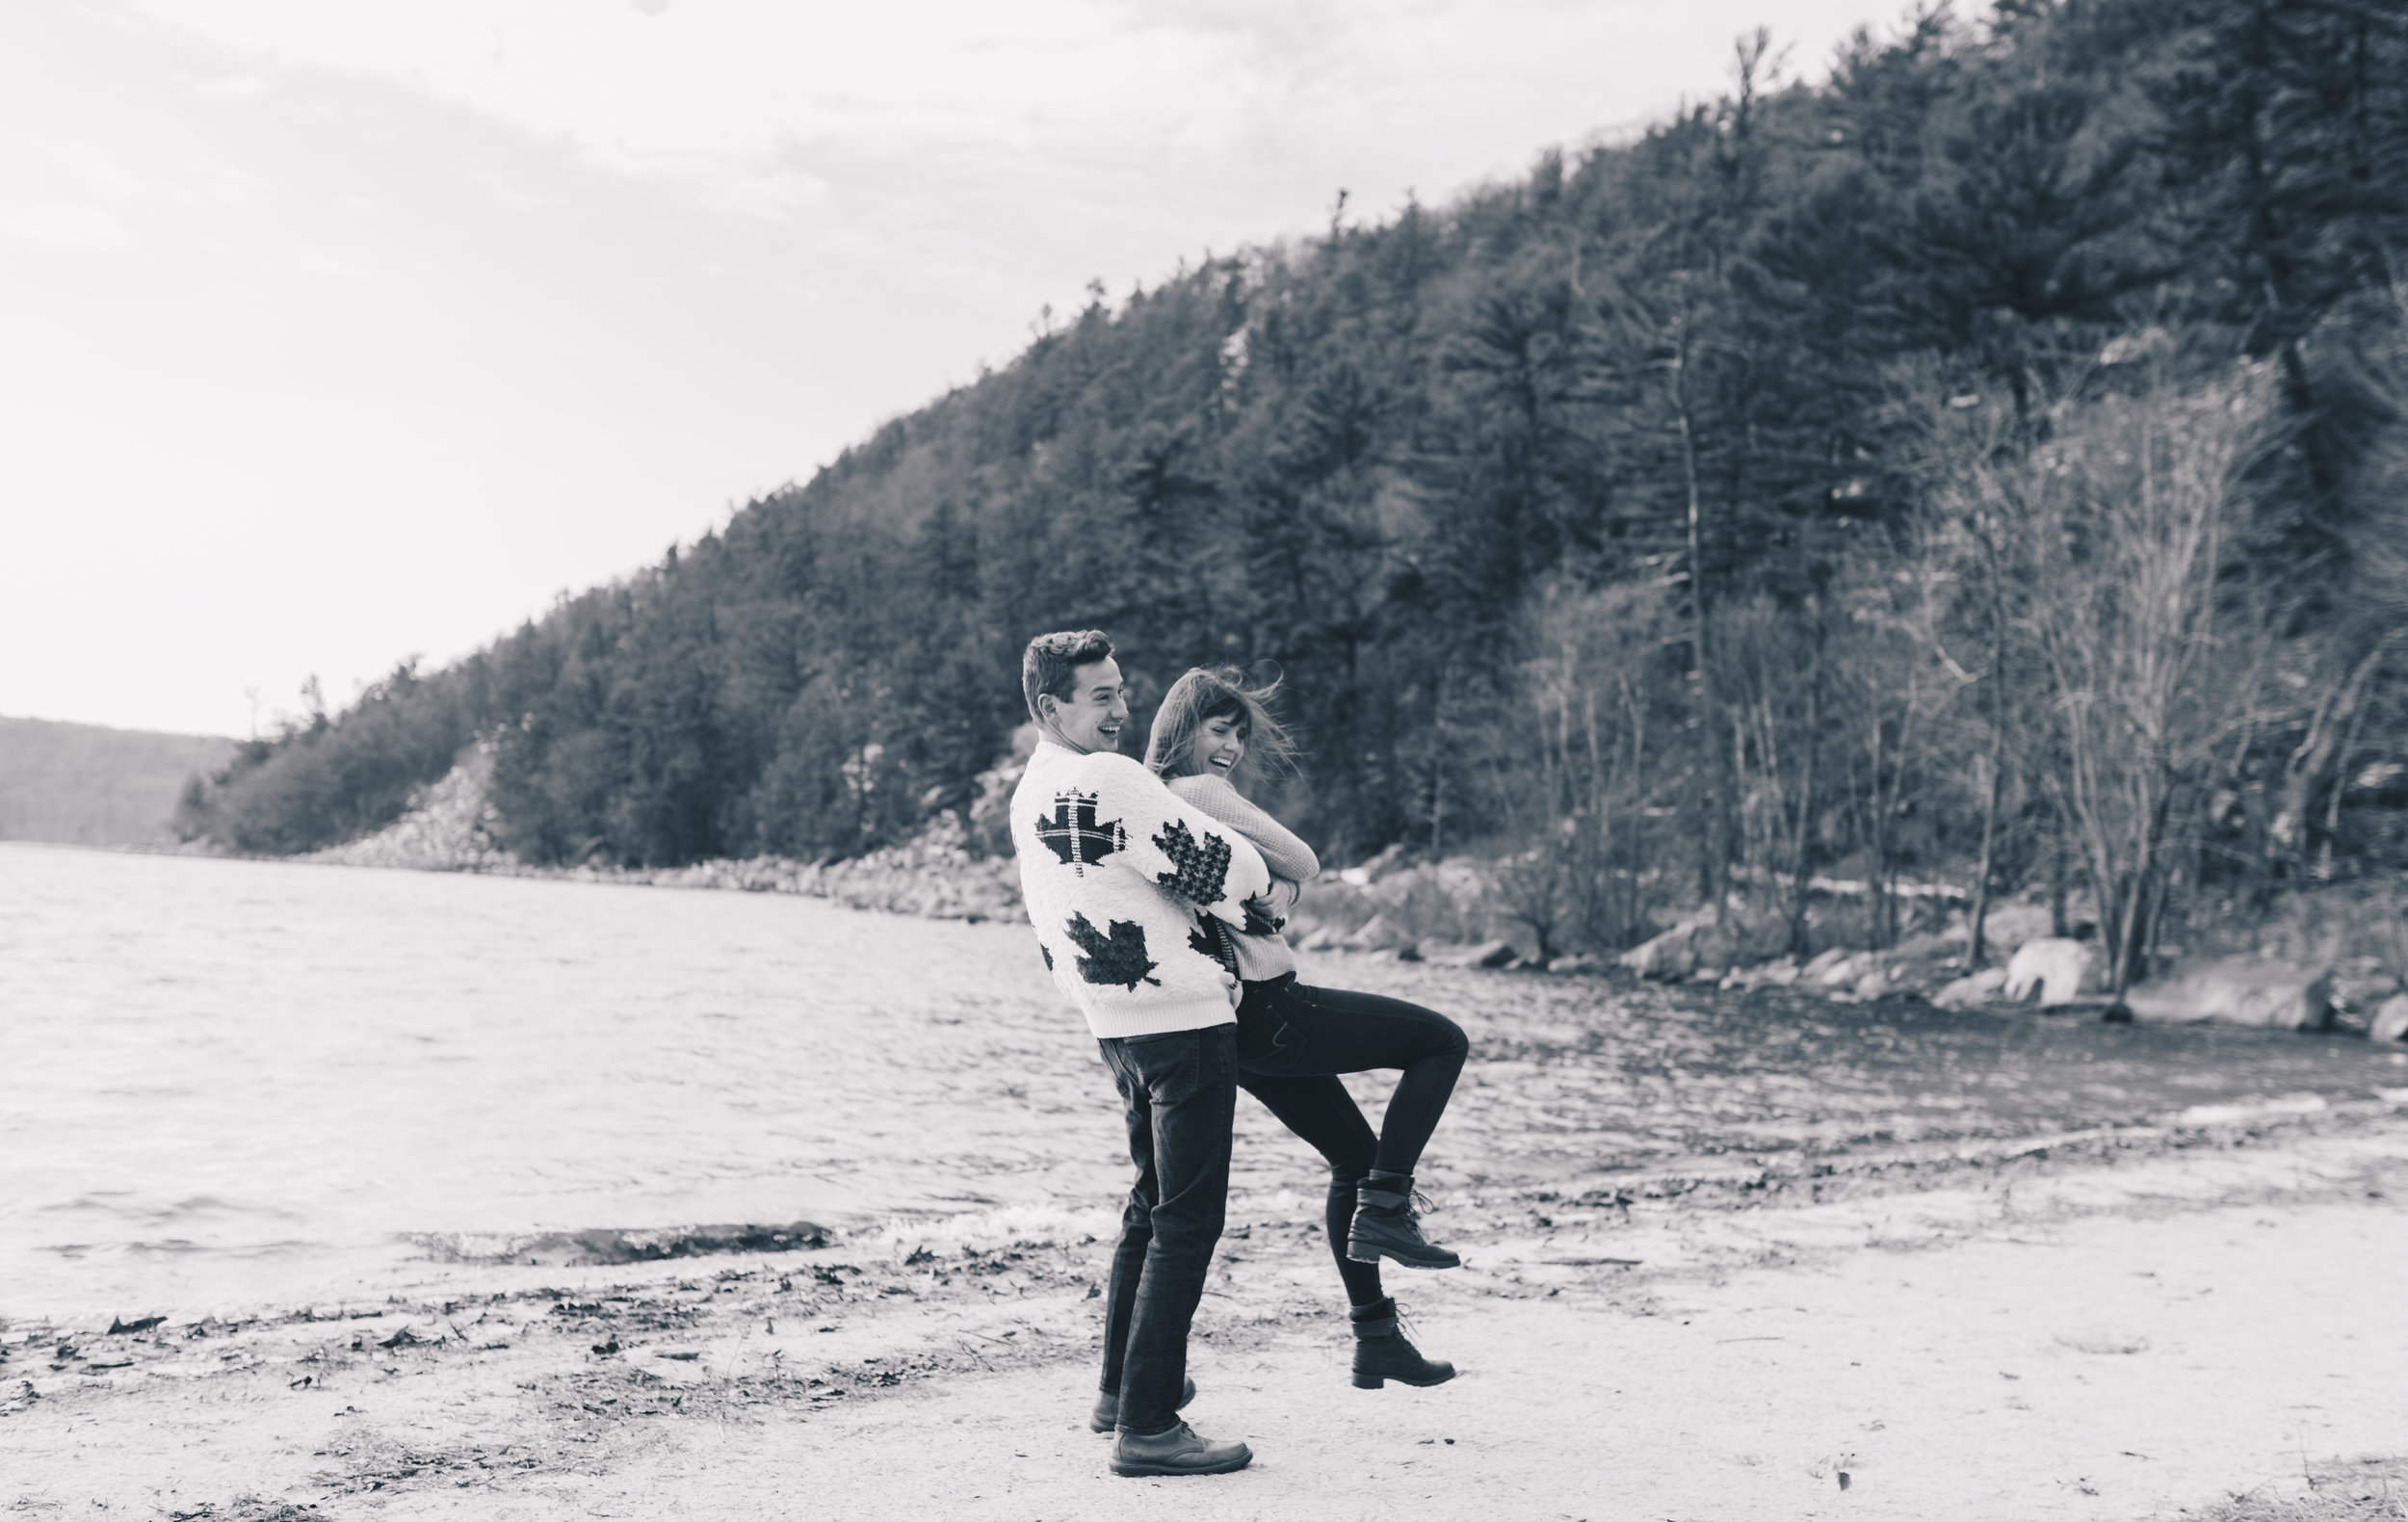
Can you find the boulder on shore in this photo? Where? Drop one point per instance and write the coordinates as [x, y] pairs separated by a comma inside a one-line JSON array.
[[1823, 962], [2052, 966], [2237, 990], [1780, 974], [1973, 991], [1668, 957], [2360, 988], [2391, 1020], [1487, 953], [1704, 943], [1376, 933]]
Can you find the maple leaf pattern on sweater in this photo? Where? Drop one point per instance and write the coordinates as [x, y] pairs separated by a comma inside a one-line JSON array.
[[1198, 867], [1209, 940], [1090, 831], [1074, 835], [1114, 958]]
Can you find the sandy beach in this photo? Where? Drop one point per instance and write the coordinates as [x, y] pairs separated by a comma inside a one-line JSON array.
[[2133, 1326]]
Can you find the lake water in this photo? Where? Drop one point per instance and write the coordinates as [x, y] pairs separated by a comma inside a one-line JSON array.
[[234, 1083], [227, 1085]]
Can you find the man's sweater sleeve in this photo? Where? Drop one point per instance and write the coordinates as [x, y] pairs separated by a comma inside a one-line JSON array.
[[1287, 856], [1182, 850]]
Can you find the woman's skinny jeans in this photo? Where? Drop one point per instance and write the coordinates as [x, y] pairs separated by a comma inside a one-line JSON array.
[[1294, 1042]]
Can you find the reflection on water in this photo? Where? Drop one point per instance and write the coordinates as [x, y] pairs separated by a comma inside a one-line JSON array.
[[225, 1083]]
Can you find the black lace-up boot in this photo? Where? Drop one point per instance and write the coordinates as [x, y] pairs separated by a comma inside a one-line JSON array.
[[1382, 1353], [1386, 1225]]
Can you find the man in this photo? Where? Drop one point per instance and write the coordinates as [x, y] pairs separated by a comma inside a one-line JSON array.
[[1122, 884]]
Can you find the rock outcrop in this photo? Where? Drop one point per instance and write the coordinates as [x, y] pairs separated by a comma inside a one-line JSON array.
[[450, 827], [2237, 990], [1668, 957], [1706, 944]]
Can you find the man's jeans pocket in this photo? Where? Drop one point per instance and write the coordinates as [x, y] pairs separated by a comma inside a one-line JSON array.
[[1168, 1066]]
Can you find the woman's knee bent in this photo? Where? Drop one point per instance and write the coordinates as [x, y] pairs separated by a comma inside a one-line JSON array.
[[1451, 1041]]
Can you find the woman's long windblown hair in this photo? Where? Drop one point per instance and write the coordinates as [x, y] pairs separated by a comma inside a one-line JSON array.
[[1214, 691]]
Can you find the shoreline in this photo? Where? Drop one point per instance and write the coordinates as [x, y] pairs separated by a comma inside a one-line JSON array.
[[485, 1386], [1623, 1158]]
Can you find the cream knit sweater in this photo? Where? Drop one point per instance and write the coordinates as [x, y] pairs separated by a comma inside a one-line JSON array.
[[1116, 873], [1292, 864]]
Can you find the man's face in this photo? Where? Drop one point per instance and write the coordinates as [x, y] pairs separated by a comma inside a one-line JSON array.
[[1090, 718]]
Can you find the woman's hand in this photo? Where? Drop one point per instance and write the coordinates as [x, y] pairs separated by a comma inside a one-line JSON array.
[[1262, 916]]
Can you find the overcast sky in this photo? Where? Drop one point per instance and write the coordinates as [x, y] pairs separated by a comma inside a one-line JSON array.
[[335, 334]]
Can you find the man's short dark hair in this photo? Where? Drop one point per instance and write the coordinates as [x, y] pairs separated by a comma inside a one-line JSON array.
[[1046, 664]]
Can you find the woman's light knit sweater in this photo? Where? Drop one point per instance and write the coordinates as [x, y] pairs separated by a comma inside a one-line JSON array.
[[1292, 864], [1118, 876]]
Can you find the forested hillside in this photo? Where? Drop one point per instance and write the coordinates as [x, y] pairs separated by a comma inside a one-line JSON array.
[[87, 785], [1988, 463]]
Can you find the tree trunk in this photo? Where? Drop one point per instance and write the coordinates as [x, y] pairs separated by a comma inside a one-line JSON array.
[[1717, 849], [1977, 951], [1801, 826]]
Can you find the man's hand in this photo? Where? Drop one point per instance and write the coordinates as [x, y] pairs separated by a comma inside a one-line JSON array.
[[1262, 916]]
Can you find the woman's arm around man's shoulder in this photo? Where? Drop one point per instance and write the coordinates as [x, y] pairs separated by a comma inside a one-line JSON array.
[[1287, 856]]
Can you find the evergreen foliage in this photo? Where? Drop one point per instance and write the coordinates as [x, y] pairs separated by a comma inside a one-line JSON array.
[[1666, 517]]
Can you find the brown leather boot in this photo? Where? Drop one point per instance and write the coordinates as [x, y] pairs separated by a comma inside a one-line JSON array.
[[1177, 1452]]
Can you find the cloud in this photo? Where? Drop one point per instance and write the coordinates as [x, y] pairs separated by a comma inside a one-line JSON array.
[[747, 103], [68, 224], [715, 96]]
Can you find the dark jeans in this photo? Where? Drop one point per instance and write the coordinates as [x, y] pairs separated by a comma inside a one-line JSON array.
[[1295, 1040], [1180, 1093]]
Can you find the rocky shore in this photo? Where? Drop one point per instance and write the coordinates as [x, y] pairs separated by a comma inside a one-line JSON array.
[[1453, 912], [450, 827], [2355, 995]]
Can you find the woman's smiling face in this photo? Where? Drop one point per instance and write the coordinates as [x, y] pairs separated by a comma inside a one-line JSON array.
[[1220, 744]]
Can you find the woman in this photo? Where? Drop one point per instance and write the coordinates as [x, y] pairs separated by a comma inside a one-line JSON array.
[[1294, 1040]]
